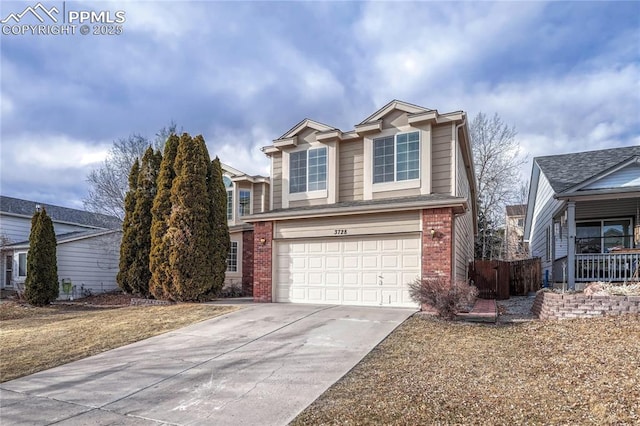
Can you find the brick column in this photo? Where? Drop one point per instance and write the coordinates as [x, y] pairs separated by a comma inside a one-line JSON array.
[[262, 257], [437, 250], [247, 263]]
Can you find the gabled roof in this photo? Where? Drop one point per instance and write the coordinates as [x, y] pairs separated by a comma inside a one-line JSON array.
[[517, 210], [237, 175], [394, 105], [567, 171], [66, 238], [304, 124], [18, 207]]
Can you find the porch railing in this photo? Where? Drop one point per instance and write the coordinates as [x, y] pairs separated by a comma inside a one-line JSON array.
[[607, 267]]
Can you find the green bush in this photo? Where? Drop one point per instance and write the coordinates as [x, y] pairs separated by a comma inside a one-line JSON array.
[[41, 284]]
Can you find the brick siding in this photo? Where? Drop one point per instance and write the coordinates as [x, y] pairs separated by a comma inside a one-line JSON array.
[[262, 259], [548, 305], [247, 263], [436, 251]]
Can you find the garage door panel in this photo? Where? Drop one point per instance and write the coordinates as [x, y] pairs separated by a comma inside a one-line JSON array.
[[332, 278], [390, 261], [353, 271], [315, 262], [351, 262], [369, 261], [370, 296], [409, 261], [333, 262]]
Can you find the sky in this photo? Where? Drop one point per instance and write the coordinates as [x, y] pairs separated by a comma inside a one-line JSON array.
[[566, 75]]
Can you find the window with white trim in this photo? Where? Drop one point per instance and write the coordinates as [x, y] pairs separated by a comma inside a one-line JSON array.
[[603, 236], [244, 202], [228, 184], [22, 265], [396, 158], [308, 170], [232, 257]]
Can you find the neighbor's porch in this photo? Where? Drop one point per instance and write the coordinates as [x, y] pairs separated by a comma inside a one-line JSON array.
[[593, 240]]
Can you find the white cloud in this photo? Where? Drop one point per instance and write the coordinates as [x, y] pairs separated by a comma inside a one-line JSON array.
[[240, 149]]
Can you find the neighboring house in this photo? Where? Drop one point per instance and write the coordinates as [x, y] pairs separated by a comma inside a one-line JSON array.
[[514, 246], [246, 195], [88, 245], [581, 215], [355, 216]]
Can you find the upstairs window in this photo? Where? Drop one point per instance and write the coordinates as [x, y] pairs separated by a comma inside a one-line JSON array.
[[396, 158], [228, 184], [308, 170], [244, 202]]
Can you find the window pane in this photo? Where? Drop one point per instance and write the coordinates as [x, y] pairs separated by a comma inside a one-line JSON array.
[[22, 264], [227, 182], [383, 167], [588, 237], [232, 257], [298, 172], [229, 205], [317, 169], [244, 202], [408, 158], [617, 234]]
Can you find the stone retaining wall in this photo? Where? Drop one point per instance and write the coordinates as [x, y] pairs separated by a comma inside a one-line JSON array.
[[549, 305]]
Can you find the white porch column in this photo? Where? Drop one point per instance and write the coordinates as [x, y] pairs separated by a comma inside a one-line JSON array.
[[571, 249]]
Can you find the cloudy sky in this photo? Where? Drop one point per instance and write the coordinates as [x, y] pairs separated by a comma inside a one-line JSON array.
[[565, 74]]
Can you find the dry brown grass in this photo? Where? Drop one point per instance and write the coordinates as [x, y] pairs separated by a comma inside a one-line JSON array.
[[584, 371], [34, 339]]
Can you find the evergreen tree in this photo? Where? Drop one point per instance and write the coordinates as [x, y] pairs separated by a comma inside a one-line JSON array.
[[160, 285], [128, 244], [190, 230], [139, 274], [41, 285], [220, 236]]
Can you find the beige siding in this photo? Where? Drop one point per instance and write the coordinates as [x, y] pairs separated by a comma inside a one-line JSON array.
[[345, 226], [276, 180], [257, 197], [396, 193], [395, 119], [351, 181], [441, 159], [311, 202], [464, 238]]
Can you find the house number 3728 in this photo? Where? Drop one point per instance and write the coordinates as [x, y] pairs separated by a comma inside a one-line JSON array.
[[339, 232]]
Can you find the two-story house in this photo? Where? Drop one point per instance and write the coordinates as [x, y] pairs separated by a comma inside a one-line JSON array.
[[246, 195], [515, 248], [355, 216], [88, 245]]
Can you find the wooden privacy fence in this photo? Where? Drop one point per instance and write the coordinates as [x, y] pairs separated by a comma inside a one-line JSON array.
[[497, 279]]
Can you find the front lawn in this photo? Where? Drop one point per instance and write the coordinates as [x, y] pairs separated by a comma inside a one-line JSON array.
[[34, 339], [584, 371]]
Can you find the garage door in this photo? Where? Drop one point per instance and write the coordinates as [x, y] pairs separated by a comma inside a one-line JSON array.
[[349, 271]]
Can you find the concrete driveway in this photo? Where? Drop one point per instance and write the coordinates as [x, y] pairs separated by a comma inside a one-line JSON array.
[[260, 365]]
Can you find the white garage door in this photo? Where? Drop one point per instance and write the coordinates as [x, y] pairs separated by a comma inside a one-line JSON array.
[[348, 271]]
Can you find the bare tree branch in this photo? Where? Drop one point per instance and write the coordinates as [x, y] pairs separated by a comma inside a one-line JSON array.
[[109, 183]]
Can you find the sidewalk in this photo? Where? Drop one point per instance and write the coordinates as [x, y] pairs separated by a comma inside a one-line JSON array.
[[484, 310]]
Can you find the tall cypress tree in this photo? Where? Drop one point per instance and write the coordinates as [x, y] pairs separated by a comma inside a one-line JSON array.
[[219, 224], [190, 223], [41, 285], [128, 244], [160, 285], [146, 188]]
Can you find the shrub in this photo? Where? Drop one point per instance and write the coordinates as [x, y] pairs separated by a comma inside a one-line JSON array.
[[447, 299]]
